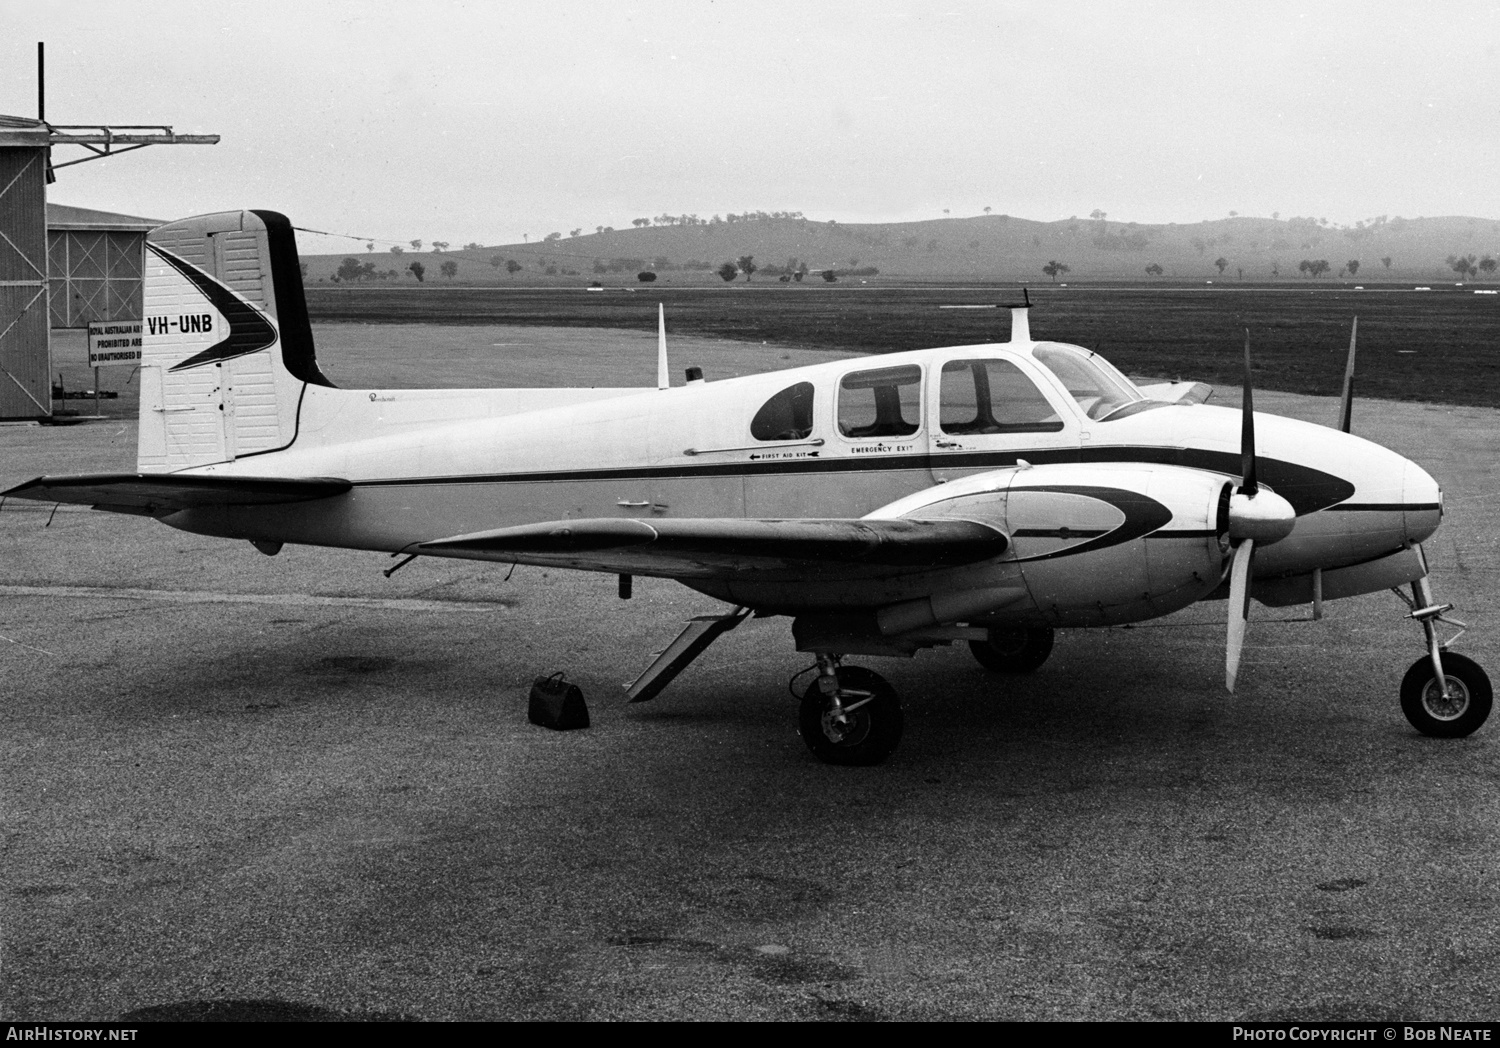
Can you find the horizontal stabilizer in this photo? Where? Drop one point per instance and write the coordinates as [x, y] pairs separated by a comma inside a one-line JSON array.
[[160, 494], [688, 546]]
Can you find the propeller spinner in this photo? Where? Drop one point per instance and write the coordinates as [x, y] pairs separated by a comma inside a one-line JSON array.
[[1257, 516]]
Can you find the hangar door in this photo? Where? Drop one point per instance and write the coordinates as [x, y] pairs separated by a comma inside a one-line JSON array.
[[25, 391], [96, 275]]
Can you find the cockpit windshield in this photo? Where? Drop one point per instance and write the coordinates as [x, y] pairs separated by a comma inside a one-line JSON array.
[[1100, 390]]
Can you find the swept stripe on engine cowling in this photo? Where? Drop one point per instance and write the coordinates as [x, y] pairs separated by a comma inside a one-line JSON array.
[[1307, 489]]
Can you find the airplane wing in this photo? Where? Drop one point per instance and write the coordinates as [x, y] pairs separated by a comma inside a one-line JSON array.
[[157, 495], [687, 548]]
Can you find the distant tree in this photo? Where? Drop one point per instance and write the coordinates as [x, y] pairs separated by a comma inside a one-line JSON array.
[[497, 261], [747, 266], [1462, 265], [1386, 261], [1352, 266], [352, 269], [1097, 215], [396, 249], [987, 211], [575, 232], [1222, 264], [370, 246], [416, 245], [645, 276], [1313, 267], [728, 271], [1055, 269], [1487, 265], [418, 270], [639, 222], [550, 237], [830, 276], [512, 266], [439, 246], [449, 269], [475, 246], [1153, 270], [800, 273]]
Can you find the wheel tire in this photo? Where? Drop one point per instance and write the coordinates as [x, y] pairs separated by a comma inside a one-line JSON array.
[[1446, 718], [872, 730], [1017, 650]]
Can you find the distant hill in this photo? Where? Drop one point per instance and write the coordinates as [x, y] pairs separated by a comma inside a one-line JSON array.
[[988, 248]]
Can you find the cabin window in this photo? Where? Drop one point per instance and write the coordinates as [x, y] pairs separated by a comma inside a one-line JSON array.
[[786, 416], [886, 402], [993, 396]]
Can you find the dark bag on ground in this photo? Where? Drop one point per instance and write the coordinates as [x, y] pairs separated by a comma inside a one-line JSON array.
[[557, 704]]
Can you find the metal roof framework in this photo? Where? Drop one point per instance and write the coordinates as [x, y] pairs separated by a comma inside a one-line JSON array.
[[103, 140]]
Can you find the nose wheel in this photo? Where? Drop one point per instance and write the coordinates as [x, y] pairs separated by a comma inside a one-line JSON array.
[[1444, 694], [850, 715], [1452, 709]]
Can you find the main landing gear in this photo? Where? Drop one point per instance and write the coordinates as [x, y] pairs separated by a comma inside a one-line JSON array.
[[1013, 649], [1444, 694], [849, 715]]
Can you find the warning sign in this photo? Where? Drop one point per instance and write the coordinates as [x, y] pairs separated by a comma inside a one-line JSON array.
[[114, 342]]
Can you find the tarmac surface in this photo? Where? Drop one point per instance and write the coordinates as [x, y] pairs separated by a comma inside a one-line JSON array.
[[240, 786]]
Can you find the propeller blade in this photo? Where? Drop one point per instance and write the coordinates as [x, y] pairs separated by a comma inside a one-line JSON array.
[[1247, 432], [1346, 409], [663, 376], [1239, 610]]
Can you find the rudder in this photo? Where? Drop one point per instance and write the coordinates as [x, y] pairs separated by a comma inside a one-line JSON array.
[[226, 348]]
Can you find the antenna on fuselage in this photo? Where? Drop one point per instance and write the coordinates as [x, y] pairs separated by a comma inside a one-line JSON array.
[[1020, 324], [663, 377]]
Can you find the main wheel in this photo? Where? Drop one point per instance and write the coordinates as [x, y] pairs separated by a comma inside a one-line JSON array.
[[1458, 713], [865, 731], [1014, 650]]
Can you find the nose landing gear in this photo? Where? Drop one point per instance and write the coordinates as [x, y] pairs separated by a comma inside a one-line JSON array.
[[1444, 694]]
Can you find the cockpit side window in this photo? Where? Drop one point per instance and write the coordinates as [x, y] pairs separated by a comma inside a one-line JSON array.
[[993, 396], [786, 416], [1099, 389], [886, 402]]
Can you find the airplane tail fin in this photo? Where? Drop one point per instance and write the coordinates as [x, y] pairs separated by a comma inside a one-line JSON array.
[[226, 347]]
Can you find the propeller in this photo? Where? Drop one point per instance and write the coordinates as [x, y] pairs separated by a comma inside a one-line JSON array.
[[1257, 517], [1346, 408]]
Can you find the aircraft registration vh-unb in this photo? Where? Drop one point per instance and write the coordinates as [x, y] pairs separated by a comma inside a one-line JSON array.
[[989, 494]]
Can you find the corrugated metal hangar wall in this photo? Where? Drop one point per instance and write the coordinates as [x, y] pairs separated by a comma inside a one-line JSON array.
[[96, 263], [25, 387]]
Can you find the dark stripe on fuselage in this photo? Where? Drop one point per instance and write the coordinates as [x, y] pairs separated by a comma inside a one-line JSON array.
[[1308, 490], [1383, 507]]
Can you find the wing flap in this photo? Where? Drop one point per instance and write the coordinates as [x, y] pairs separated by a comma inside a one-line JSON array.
[[160, 494], [689, 547]]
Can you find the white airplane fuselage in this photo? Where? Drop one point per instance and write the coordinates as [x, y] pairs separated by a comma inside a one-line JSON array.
[[429, 464]]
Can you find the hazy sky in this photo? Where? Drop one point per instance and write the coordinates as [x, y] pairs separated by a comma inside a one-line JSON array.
[[483, 121]]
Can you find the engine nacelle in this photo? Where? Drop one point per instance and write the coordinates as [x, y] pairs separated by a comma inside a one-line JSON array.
[[1095, 544]]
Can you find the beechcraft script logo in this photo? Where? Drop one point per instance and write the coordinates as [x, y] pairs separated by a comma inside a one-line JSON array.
[[249, 329]]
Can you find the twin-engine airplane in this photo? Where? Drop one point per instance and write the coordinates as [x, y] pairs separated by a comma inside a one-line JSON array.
[[989, 494]]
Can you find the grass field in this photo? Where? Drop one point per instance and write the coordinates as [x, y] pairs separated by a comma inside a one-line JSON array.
[[1439, 346]]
